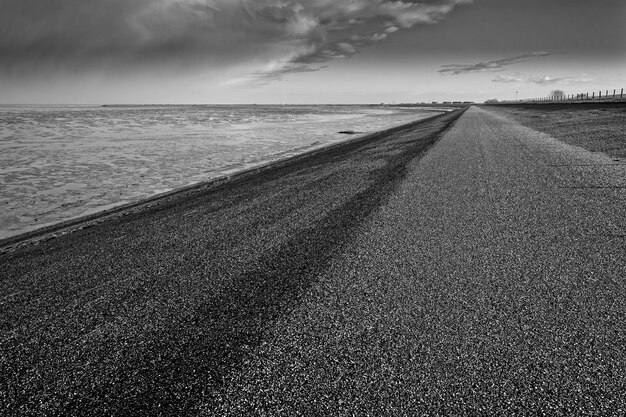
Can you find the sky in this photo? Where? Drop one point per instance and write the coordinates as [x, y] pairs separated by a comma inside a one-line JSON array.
[[306, 51]]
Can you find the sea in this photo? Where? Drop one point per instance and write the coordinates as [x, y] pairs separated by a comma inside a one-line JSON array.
[[62, 162]]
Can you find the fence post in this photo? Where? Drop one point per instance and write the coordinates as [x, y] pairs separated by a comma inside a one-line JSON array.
[[593, 95], [587, 96], [599, 95], [613, 93], [621, 95]]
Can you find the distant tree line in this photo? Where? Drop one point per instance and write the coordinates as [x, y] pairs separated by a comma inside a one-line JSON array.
[[557, 95], [554, 95]]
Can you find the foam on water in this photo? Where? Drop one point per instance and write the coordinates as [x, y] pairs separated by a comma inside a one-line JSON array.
[[61, 162]]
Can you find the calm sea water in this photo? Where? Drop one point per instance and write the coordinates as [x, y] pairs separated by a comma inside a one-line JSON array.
[[60, 162]]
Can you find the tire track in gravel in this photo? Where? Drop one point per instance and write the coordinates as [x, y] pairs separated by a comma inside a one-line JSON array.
[[139, 349], [232, 323]]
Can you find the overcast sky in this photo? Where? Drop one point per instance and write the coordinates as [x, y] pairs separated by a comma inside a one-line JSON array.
[[306, 51]]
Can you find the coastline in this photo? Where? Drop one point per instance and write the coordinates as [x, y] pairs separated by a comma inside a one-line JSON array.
[[235, 253], [71, 225], [59, 164]]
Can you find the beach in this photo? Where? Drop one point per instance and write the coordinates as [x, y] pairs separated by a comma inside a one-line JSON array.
[[62, 162], [469, 262]]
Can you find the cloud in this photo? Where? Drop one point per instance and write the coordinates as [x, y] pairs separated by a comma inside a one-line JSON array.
[[518, 78], [274, 71], [495, 65], [272, 38]]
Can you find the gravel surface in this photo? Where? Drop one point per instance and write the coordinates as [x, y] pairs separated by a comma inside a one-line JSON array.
[[599, 127], [482, 276], [491, 282], [151, 312]]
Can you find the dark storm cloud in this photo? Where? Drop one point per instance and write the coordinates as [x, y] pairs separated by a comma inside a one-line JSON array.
[[279, 37], [495, 65], [322, 30], [83, 33]]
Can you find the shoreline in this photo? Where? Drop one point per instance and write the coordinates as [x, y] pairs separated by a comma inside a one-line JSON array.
[[47, 232], [168, 300], [61, 165]]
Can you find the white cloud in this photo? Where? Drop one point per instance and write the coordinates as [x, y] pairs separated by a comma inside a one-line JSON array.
[[376, 37], [346, 48], [546, 80]]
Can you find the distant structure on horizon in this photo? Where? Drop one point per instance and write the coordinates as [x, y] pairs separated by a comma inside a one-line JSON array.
[[432, 103]]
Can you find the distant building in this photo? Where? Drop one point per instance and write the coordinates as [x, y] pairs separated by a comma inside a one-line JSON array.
[[434, 102]]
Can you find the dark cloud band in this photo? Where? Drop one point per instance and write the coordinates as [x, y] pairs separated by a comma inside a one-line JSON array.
[[279, 36], [495, 65]]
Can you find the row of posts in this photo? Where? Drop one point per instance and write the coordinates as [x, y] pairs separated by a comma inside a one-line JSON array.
[[585, 96]]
